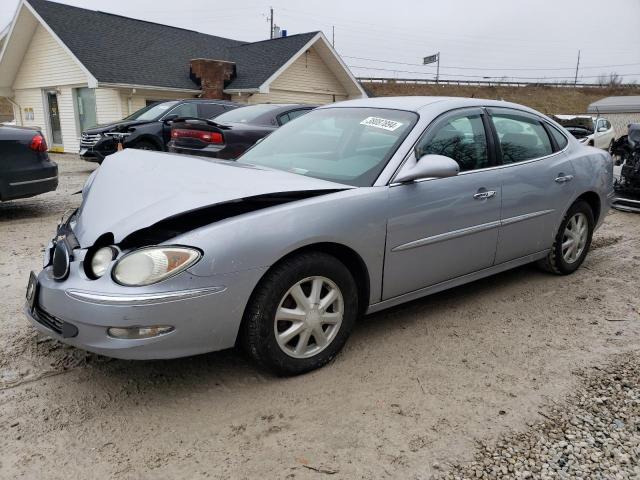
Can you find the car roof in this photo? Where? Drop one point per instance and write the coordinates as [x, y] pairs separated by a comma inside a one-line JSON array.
[[418, 103]]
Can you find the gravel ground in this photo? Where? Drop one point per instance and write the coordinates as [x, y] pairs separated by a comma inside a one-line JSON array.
[[595, 433], [418, 392]]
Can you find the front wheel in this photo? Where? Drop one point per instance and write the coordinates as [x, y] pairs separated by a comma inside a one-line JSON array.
[[301, 314], [145, 145], [572, 241]]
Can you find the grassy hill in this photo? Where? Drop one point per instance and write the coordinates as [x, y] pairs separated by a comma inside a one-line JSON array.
[[548, 100]]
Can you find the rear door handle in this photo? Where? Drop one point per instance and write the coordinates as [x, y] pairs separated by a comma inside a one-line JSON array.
[[564, 178], [484, 195]]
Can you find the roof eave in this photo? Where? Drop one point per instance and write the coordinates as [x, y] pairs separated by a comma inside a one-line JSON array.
[[244, 90], [147, 87]]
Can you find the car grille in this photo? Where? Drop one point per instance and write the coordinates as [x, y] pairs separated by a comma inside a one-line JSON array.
[[48, 320], [88, 141]]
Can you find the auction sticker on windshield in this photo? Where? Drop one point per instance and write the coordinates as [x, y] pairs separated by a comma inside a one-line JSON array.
[[383, 123]]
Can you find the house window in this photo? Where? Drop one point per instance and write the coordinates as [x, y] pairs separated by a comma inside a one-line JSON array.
[[28, 114], [86, 107]]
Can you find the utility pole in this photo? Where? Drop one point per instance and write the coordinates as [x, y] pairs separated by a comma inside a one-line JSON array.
[[575, 80], [271, 22], [333, 36], [438, 69]]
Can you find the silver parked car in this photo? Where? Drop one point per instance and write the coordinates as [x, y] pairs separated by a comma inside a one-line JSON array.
[[350, 209]]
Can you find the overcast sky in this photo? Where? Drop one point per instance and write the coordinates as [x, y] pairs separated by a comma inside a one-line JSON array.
[[530, 39]]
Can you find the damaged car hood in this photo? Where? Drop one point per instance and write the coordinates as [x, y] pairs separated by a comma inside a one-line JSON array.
[[135, 189]]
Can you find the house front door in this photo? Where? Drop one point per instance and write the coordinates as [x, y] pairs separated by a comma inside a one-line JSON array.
[[54, 119]]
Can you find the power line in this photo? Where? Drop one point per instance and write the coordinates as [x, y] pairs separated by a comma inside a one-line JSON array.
[[491, 68], [483, 76]]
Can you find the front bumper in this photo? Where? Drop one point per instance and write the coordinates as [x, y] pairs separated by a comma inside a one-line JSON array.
[[96, 152], [205, 313]]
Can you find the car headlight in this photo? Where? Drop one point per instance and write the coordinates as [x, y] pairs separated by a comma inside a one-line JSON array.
[[101, 260], [153, 264]]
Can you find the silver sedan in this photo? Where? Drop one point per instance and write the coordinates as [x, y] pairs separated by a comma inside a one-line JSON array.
[[351, 209]]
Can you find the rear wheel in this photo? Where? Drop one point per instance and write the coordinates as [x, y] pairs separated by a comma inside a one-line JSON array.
[[572, 241], [301, 314]]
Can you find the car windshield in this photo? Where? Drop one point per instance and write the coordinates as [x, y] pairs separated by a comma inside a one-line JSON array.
[[246, 114], [151, 112], [345, 145]]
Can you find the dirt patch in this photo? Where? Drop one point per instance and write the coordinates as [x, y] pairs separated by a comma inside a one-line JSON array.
[[416, 386], [603, 241]]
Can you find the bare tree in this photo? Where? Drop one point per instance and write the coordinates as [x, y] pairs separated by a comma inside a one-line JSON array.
[[610, 80]]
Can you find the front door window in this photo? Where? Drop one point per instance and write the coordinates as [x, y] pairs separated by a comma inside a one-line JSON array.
[[54, 118]]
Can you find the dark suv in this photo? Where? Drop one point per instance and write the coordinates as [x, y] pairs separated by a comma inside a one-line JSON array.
[[147, 129]]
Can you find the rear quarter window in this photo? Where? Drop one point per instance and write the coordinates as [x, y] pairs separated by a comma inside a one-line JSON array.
[[560, 139]]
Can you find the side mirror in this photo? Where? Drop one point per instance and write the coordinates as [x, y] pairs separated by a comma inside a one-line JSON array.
[[602, 129], [428, 166], [170, 118]]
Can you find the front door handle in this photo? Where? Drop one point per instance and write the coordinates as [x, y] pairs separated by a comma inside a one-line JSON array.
[[564, 178], [484, 195]]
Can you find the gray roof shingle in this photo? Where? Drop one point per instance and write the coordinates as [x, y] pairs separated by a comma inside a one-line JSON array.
[[124, 50]]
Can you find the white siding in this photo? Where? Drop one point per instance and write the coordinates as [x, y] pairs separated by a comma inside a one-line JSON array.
[[31, 98], [68, 122], [34, 98], [307, 80], [139, 100], [47, 64], [108, 108], [307, 75]]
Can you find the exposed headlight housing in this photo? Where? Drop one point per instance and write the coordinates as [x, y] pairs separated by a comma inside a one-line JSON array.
[[153, 264], [101, 260]]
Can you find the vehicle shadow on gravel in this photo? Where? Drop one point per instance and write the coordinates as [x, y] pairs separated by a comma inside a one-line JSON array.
[[232, 368]]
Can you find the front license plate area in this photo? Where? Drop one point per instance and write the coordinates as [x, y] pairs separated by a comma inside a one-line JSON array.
[[32, 291]]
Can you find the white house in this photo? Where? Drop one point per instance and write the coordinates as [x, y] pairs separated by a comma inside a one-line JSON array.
[[65, 69]]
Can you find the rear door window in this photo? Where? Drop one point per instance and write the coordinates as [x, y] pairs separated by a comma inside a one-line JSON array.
[[284, 118], [521, 137], [210, 110], [185, 110]]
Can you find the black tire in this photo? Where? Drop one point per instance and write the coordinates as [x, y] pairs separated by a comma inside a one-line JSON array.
[[257, 335], [555, 262], [145, 145]]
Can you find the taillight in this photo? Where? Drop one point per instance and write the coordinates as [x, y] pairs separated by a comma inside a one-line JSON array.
[[208, 137], [38, 143]]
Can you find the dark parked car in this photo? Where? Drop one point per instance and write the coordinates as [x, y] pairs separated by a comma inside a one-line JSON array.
[[147, 129], [25, 167], [232, 133]]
